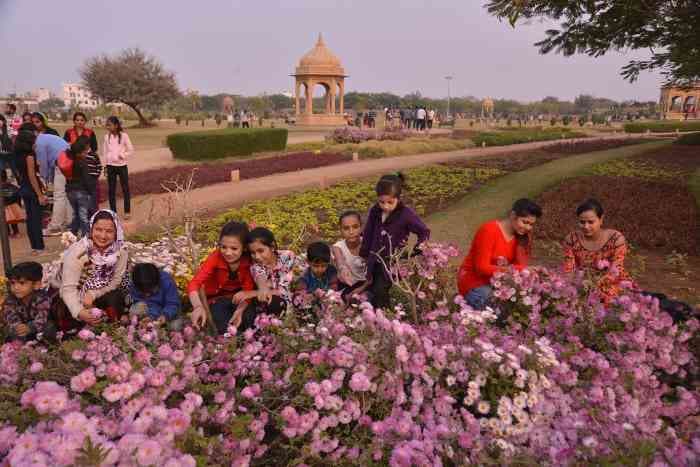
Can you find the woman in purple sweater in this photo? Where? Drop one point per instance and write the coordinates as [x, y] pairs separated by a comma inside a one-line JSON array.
[[389, 224]]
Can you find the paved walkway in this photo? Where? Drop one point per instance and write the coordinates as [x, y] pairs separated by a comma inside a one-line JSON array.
[[150, 210]]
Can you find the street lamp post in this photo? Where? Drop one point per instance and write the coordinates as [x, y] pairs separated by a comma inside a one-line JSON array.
[[448, 78]]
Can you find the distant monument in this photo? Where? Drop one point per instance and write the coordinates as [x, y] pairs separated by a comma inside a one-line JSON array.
[[680, 103], [487, 108], [320, 67]]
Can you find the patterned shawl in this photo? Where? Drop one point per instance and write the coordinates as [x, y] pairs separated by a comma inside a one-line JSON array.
[[103, 262]]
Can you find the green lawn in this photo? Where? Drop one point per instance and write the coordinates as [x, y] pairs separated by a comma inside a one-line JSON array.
[[458, 223]]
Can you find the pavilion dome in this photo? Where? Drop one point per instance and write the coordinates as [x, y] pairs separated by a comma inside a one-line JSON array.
[[320, 61]]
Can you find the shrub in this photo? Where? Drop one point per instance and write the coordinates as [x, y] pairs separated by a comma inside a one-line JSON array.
[[691, 139], [548, 377], [661, 127], [518, 136], [217, 144]]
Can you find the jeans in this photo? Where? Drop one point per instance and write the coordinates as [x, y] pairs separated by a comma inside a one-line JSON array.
[[83, 207], [479, 297], [62, 213], [33, 210], [121, 171]]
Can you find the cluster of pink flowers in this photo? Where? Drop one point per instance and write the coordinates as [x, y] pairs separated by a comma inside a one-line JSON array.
[[549, 375], [356, 135]]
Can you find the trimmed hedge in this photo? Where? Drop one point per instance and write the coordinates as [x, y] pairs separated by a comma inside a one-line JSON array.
[[691, 139], [506, 138], [218, 144], [661, 127]]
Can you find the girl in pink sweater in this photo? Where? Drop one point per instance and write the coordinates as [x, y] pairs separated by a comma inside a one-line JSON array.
[[117, 149]]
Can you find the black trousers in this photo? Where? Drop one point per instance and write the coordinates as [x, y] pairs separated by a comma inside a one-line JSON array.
[[222, 311], [380, 287], [121, 171], [33, 210]]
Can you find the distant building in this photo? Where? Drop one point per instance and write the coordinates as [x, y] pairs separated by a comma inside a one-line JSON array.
[[24, 104], [680, 103], [77, 95], [42, 94]]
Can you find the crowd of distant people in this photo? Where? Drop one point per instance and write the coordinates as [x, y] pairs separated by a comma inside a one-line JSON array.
[[41, 170], [418, 118]]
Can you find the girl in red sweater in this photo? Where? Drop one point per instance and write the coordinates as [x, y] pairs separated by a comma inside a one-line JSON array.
[[497, 245]]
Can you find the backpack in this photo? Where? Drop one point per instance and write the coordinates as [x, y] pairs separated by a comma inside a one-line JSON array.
[[65, 164]]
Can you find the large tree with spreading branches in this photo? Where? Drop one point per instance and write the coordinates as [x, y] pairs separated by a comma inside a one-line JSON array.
[[131, 77], [668, 29]]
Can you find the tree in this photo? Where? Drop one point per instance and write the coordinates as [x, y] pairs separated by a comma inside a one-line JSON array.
[[667, 28], [584, 103], [132, 78]]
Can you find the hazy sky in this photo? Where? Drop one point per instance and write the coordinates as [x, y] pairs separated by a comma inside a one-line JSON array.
[[251, 47]]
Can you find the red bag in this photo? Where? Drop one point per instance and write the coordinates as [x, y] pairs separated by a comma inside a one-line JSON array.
[[65, 164]]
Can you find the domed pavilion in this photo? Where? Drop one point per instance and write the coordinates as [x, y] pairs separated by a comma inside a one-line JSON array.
[[320, 67]]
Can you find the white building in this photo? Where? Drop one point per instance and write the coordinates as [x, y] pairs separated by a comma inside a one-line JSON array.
[[77, 95]]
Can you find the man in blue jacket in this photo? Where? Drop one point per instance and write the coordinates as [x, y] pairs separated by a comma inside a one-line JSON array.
[[47, 149]]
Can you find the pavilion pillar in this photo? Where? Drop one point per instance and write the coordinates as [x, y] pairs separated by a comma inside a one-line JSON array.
[[342, 97], [309, 97], [332, 93], [296, 97]]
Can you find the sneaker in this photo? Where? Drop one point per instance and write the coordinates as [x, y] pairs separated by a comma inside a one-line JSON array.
[[127, 216], [49, 232], [37, 252]]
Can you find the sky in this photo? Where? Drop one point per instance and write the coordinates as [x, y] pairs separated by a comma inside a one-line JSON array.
[[251, 47]]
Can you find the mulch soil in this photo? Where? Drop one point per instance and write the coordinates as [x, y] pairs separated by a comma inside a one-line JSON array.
[[152, 181], [517, 161]]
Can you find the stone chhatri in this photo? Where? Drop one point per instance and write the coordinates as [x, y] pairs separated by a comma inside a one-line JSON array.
[[319, 66]]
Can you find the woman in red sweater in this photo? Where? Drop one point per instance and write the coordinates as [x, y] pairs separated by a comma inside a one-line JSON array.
[[497, 245]]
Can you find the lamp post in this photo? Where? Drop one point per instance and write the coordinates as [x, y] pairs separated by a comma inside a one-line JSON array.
[[448, 78]]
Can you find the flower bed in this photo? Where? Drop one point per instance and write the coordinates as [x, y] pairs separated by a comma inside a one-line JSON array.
[[152, 181], [518, 136], [549, 377], [518, 161], [298, 216], [356, 135], [632, 206]]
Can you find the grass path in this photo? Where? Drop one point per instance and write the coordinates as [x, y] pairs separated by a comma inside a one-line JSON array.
[[458, 223]]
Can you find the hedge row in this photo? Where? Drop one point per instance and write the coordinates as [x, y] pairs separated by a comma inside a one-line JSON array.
[[506, 138], [217, 144], [691, 139], [661, 127]]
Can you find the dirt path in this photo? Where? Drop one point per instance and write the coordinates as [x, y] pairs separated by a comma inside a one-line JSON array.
[[149, 210]]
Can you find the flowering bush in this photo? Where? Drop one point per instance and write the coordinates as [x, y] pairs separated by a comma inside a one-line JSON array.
[[356, 135], [548, 376]]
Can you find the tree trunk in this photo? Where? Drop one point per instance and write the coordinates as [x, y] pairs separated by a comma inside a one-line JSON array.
[[143, 123]]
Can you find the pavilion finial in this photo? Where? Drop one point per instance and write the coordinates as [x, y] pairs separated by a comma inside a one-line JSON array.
[[320, 39]]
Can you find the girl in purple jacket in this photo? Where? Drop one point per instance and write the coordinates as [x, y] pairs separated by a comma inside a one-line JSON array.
[[389, 224]]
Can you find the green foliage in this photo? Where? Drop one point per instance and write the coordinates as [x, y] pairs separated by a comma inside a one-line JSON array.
[[661, 127], [315, 212], [377, 149], [518, 136], [91, 455], [668, 29], [217, 144], [691, 139]]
